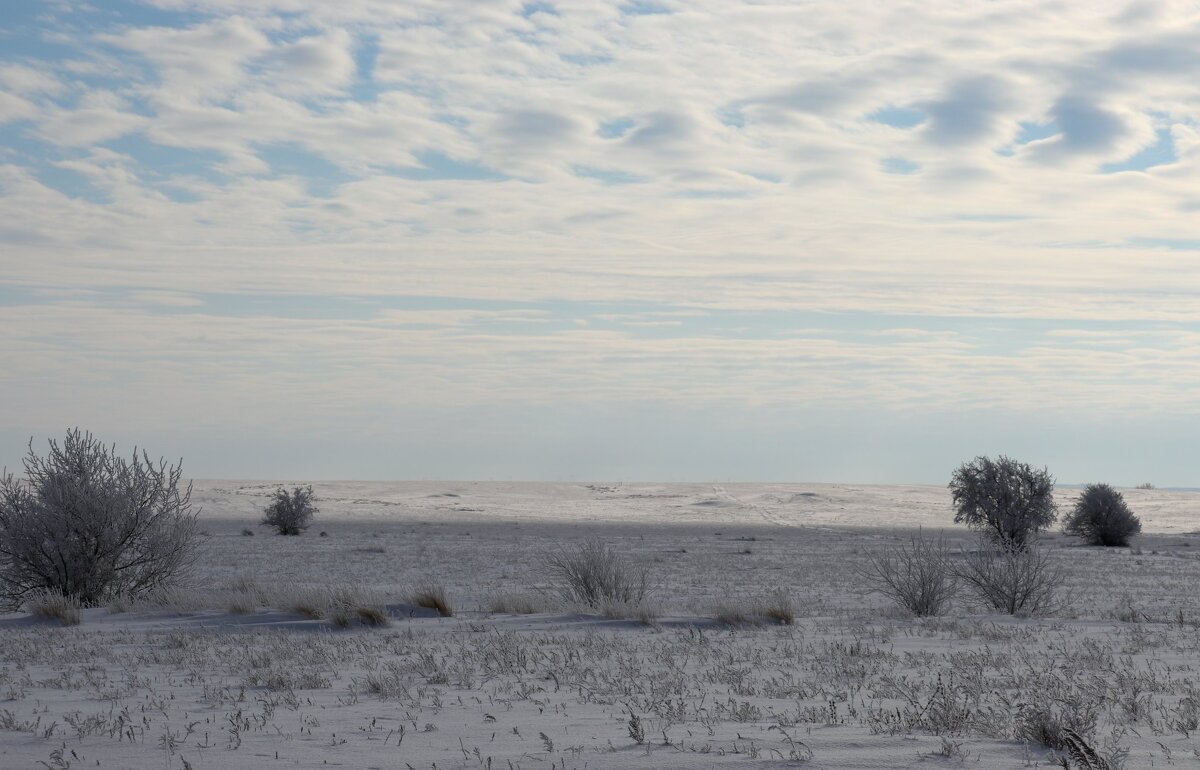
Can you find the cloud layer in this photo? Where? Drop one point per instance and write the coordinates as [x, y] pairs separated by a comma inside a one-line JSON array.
[[282, 212]]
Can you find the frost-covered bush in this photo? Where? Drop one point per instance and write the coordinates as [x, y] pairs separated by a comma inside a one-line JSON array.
[[591, 574], [1008, 500], [916, 576], [1101, 517], [290, 513], [90, 525], [1010, 580]]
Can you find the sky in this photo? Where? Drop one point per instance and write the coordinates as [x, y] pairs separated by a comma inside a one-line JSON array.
[[629, 240]]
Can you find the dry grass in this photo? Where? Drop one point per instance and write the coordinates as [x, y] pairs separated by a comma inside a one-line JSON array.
[[512, 603], [51, 605], [433, 597]]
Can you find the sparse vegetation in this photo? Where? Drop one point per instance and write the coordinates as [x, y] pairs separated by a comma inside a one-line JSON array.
[[1010, 501], [1010, 580], [290, 513], [591, 574], [1101, 517], [89, 524], [52, 605], [433, 597], [916, 575]]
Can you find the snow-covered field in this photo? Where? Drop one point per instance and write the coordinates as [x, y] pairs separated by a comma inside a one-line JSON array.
[[853, 683]]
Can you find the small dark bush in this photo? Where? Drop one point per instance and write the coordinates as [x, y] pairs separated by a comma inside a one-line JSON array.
[[1101, 517], [1009, 500], [247, 532], [290, 513]]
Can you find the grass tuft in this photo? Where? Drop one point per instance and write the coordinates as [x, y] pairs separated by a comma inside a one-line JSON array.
[[433, 597]]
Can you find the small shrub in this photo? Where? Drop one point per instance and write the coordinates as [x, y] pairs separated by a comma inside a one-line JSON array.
[[433, 597], [916, 576], [1011, 581], [89, 524], [1009, 500], [247, 532], [1101, 517], [52, 605], [290, 513], [591, 574]]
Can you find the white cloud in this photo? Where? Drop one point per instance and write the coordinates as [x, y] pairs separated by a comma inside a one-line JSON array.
[[721, 158]]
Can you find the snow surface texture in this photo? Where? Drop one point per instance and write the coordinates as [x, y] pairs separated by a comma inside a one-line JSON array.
[[240, 671]]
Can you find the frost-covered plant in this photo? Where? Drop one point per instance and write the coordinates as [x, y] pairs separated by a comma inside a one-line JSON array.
[[916, 576], [592, 574], [1011, 581], [290, 513], [88, 524], [1101, 517], [1009, 500]]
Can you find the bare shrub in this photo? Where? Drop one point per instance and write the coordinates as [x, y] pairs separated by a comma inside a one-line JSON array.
[[52, 605], [915, 575], [1101, 517], [1011, 580], [1009, 500], [89, 524], [433, 597], [290, 513], [591, 574]]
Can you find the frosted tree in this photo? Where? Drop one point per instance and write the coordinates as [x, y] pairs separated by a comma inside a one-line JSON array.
[[88, 524]]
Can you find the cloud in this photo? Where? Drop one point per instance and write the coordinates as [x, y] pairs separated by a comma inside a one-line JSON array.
[[971, 110], [703, 206]]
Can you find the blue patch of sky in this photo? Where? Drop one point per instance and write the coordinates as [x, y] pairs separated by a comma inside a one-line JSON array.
[[732, 116], [643, 8], [143, 14], [586, 60], [615, 129], [1027, 132], [896, 165], [162, 161], [1157, 154], [1032, 132], [436, 166], [607, 176], [1172, 244], [898, 117], [989, 217], [320, 176], [1004, 336], [70, 183], [710, 194], [530, 9], [458, 121], [19, 146], [366, 51]]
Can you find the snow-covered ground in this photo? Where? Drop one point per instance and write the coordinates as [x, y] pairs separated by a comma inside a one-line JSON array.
[[853, 683]]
